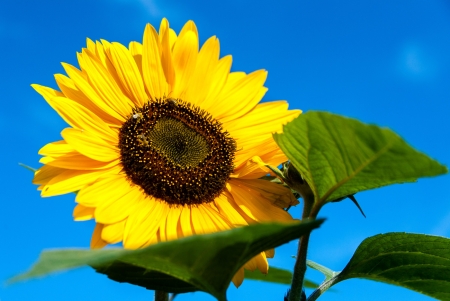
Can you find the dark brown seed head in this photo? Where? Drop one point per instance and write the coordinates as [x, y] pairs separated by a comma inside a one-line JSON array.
[[176, 152]]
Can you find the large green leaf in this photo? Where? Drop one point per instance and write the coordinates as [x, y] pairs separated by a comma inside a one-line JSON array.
[[415, 261], [339, 156], [203, 262], [277, 275]]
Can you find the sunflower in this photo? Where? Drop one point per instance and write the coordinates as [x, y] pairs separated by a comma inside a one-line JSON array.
[[164, 142]]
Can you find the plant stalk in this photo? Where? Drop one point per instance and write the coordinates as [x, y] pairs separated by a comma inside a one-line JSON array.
[[161, 296], [295, 293], [323, 288]]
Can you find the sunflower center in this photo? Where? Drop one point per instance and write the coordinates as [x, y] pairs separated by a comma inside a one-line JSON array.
[[176, 152], [178, 143]]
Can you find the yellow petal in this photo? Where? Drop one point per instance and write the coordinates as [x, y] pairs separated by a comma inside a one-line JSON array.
[[250, 265], [82, 213], [172, 37], [104, 193], [220, 221], [113, 233], [77, 161], [238, 278], [120, 205], [90, 44], [279, 195], [105, 57], [106, 87], [233, 78], [70, 181], [85, 87], [188, 28], [242, 96], [166, 52], [202, 222], [100, 52], [265, 149], [265, 118], [47, 93], [44, 174], [253, 168], [185, 54], [96, 241], [136, 52], [228, 208], [253, 132], [143, 223], [72, 92], [270, 253], [152, 70], [219, 80], [254, 204], [170, 229], [57, 148], [90, 145], [258, 262], [81, 118], [203, 75], [185, 222], [128, 73]]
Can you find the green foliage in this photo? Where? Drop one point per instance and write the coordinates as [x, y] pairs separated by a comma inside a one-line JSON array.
[[328, 273], [415, 261], [332, 158], [277, 275], [339, 156], [203, 262]]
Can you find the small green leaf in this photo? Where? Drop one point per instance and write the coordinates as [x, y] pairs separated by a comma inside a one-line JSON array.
[[328, 273], [203, 262], [339, 156], [415, 261], [276, 171], [277, 275], [28, 167]]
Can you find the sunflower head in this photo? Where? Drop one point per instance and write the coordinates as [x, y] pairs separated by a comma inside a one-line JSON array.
[[164, 141]]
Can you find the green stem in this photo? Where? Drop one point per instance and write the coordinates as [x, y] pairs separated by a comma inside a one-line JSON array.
[[298, 276], [161, 296], [323, 288], [172, 297]]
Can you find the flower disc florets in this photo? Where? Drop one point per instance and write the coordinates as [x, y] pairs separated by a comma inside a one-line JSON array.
[[176, 152]]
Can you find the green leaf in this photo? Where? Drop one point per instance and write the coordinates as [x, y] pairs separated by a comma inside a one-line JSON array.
[[415, 261], [276, 171], [328, 273], [277, 275], [339, 156], [203, 262]]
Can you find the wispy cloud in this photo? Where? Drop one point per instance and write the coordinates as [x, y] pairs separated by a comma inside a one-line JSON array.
[[148, 7], [443, 227], [416, 63], [151, 7]]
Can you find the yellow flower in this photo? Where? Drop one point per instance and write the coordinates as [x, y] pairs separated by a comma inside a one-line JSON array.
[[165, 142]]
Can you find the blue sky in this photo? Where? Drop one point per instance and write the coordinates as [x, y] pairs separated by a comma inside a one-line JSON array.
[[383, 62]]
